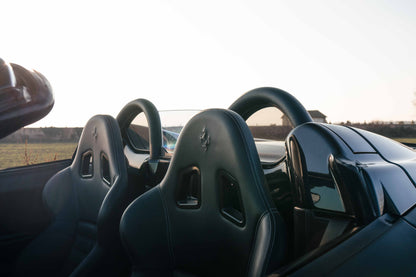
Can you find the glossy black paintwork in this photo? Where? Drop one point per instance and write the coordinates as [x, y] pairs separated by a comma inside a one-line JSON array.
[[374, 172], [315, 153], [385, 247], [393, 152], [354, 141], [375, 176]]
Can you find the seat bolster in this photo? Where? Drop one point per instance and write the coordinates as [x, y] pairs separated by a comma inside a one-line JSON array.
[[145, 233], [270, 244], [47, 253], [58, 191], [100, 263]]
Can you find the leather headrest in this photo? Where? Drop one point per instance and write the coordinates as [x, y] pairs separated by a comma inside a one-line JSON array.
[[219, 142], [96, 167], [204, 215]]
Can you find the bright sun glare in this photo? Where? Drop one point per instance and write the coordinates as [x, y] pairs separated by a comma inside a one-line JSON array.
[[352, 60]]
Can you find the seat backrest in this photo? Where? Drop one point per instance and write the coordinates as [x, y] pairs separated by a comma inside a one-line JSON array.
[[86, 201], [211, 215]]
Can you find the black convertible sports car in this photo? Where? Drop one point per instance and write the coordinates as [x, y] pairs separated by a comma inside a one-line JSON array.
[[208, 199]]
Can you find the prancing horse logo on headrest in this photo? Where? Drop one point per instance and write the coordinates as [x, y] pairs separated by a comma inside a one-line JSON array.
[[204, 137], [94, 133]]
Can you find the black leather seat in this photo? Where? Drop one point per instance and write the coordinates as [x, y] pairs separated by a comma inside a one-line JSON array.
[[211, 215], [86, 200]]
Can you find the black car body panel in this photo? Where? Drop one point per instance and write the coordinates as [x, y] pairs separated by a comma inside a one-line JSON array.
[[22, 212], [386, 247], [374, 175]]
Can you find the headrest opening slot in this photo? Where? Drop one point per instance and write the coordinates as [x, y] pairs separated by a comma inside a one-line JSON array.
[[188, 191], [105, 169], [231, 204], [87, 168]]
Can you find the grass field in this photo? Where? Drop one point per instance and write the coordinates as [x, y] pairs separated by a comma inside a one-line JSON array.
[[19, 154], [406, 140]]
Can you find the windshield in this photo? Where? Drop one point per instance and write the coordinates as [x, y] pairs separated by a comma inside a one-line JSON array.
[[267, 126], [173, 122]]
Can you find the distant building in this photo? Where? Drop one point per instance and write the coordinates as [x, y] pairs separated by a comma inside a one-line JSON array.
[[316, 115]]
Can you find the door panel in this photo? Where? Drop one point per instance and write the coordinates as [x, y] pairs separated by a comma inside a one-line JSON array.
[[22, 213]]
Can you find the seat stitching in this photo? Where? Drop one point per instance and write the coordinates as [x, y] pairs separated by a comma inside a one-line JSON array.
[[271, 244], [168, 232], [254, 244], [270, 209], [114, 145], [259, 182]]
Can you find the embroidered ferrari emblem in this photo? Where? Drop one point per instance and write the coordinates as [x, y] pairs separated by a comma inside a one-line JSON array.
[[94, 133], [204, 137]]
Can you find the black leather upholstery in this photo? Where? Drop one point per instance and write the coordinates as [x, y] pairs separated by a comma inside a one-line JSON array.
[[263, 97], [225, 226], [86, 202], [130, 111]]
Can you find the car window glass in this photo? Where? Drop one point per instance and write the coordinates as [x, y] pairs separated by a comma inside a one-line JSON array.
[[29, 146], [325, 193], [138, 133], [173, 122], [269, 127]]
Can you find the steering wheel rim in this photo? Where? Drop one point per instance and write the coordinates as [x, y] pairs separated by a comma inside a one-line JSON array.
[[264, 97], [130, 111]]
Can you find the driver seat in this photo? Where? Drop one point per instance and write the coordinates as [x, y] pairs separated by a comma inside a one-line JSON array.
[[86, 201], [211, 215]]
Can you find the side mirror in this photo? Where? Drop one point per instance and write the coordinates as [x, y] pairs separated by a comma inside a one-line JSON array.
[[25, 97]]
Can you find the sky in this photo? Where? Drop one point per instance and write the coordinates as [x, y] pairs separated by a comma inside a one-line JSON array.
[[352, 60]]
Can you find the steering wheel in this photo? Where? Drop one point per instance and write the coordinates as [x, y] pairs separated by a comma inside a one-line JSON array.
[[129, 112], [264, 97]]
